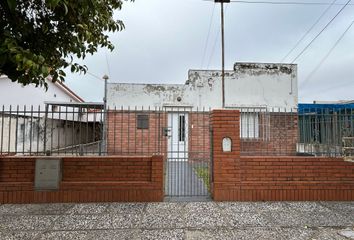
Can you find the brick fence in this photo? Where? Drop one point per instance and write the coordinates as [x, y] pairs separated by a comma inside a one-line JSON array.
[[235, 177], [273, 178], [85, 179]]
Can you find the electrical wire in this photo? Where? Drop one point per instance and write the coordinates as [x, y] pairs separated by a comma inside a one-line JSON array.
[[337, 86], [283, 3], [323, 29], [107, 63], [215, 42], [327, 55], [214, 46], [207, 39], [93, 75], [308, 31]]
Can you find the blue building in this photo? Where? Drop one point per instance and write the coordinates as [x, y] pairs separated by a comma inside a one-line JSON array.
[[326, 128]]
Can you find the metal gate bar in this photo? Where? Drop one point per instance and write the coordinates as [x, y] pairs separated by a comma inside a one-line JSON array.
[[188, 154]]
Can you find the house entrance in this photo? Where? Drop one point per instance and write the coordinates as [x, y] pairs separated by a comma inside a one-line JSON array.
[[177, 137], [187, 173]]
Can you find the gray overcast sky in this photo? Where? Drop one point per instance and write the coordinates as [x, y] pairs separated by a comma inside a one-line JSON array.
[[163, 39]]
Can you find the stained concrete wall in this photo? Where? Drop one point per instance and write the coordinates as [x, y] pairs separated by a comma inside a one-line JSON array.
[[248, 85]]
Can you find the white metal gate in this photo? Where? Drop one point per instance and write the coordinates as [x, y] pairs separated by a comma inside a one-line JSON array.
[[177, 137]]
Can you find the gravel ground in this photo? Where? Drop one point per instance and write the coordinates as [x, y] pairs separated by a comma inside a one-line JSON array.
[[188, 220]]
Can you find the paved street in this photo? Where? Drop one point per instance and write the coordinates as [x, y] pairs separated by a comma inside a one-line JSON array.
[[206, 220]]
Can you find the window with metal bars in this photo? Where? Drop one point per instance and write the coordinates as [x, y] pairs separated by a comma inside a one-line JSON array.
[[142, 121]]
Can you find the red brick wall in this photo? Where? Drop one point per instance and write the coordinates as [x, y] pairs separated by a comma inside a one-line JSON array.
[[278, 136], [123, 137], [295, 179], [199, 137], [225, 164], [85, 179], [15, 171], [111, 169], [274, 178]]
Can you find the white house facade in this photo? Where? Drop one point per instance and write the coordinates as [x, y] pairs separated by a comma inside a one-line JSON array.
[[248, 85]]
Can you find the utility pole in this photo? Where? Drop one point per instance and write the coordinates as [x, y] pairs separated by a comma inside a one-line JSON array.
[[104, 132], [222, 49]]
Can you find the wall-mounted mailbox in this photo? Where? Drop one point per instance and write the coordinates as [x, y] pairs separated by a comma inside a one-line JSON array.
[[226, 144], [47, 174]]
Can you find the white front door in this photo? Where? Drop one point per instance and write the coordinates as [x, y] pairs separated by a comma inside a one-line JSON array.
[[177, 137]]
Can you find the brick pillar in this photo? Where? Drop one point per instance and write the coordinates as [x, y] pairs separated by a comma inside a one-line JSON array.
[[226, 165]]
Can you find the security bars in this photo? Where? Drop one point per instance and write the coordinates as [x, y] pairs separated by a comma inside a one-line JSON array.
[[77, 129]]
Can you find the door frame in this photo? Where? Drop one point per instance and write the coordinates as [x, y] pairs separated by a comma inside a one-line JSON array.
[[174, 135]]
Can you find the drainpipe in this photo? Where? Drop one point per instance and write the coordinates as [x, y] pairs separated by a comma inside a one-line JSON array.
[[104, 132], [45, 130]]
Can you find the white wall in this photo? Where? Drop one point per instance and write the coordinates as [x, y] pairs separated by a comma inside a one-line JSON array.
[[12, 93], [248, 85], [153, 95], [20, 134]]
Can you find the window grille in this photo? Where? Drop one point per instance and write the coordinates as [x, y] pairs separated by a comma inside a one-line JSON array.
[[181, 128], [142, 121]]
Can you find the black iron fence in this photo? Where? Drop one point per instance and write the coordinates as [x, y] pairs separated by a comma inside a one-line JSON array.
[[78, 129], [51, 130], [268, 131], [326, 131]]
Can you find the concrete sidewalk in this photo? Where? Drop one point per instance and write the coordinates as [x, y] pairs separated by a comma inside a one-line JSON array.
[[206, 220]]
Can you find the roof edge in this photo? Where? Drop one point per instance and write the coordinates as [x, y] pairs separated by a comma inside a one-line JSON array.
[[68, 90]]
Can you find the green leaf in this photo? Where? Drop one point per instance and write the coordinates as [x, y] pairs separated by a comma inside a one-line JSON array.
[[29, 63], [44, 70], [18, 57], [11, 4], [65, 8], [53, 3], [41, 59], [68, 28]]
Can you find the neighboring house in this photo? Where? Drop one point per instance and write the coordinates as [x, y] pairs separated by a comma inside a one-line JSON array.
[[265, 93], [34, 121], [12, 93], [326, 128]]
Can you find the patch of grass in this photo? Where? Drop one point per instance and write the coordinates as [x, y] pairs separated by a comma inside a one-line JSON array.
[[203, 173]]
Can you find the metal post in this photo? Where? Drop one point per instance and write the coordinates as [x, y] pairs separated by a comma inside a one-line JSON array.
[[45, 129], [222, 55], [222, 50], [104, 132]]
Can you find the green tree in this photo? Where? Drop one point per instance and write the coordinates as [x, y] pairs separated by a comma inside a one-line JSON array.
[[39, 38]]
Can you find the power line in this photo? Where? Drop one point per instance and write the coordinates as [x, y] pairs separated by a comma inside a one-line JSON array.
[[207, 40], [308, 31], [107, 63], [325, 27], [93, 75], [285, 3], [337, 86], [214, 45], [327, 55], [215, 42]]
